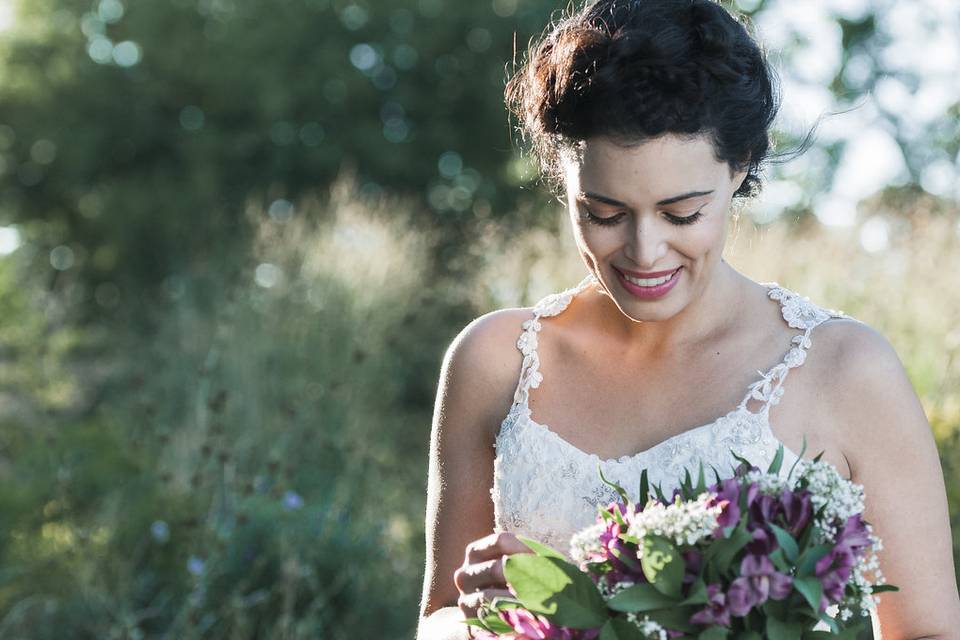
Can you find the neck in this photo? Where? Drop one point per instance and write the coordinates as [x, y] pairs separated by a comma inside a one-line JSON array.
[[710, 313]]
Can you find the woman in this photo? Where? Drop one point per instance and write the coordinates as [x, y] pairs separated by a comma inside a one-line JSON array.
[[651, 116]]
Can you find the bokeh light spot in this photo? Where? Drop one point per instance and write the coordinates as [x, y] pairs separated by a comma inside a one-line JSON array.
[[110, 11], [61, 258], [363, 56], [267, 275], [280, 210], [282, 133], [43, 151], [354, 16], [100, 50], [191, 118], [312, 134], [450, 164], [126, 54], [9, 240]]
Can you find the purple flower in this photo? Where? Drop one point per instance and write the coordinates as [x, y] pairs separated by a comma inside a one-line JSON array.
[[797, 510], [530, 626], [758, 581], [763, 542], [716, 611], [692, 562], [728, 491], [833, 570], [612, 544], [854, 534]]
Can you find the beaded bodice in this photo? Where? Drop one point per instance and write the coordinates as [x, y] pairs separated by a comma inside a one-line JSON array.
[[546, 488]]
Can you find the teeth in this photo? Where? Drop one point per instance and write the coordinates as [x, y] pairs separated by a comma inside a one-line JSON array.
[[647, 282]]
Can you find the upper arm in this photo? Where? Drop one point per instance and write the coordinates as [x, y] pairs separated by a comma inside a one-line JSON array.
[[888, 441], [480, 370]]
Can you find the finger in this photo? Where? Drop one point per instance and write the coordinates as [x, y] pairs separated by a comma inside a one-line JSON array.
[[481, 575], [493, 545], [470, 602]]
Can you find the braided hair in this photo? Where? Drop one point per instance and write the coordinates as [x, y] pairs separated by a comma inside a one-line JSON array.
[[633, 70]]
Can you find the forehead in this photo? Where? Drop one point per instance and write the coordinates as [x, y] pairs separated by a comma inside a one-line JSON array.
[[655, 168]]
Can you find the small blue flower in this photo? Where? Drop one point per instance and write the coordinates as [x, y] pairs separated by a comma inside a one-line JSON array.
[[160, 531], [292, 500], [195, 565]]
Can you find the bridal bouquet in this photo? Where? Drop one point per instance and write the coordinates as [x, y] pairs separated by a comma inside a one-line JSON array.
[[749, 557]]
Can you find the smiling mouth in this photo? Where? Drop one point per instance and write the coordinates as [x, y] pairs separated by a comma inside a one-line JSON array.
[[650, 282]]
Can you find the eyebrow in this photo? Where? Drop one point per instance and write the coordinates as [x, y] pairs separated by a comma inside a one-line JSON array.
[[665, 201]]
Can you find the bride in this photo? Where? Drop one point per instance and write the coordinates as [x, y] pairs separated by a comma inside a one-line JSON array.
[[651, 117]]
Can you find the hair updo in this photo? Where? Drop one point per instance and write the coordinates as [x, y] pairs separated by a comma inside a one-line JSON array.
[[636, 69]]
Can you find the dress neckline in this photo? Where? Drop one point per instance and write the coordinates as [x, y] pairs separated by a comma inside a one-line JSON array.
[[797, 311]]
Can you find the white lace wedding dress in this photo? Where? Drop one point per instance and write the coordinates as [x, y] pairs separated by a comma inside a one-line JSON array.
[[547, 489]]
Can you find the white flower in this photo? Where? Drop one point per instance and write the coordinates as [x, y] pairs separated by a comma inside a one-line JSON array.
[[839, 497], [586, 542], [648, 628], [767, 483], [685, 523]]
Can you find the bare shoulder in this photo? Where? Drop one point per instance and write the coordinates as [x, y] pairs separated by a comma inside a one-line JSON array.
[[867, 390], [484, 355], [886, 437]]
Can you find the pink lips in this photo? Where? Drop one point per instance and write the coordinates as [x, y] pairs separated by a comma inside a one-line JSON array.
[[650, 292]]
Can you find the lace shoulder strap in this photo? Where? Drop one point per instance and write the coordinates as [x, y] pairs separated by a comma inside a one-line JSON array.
[[799, 313], [549, 305]]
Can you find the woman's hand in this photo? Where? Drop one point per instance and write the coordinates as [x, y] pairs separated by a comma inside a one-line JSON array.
[[480, 578]]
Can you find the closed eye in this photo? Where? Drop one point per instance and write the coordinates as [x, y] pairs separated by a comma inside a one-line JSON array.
[[614, 219]]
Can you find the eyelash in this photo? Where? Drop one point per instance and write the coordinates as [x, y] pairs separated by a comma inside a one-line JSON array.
[[679, 221]]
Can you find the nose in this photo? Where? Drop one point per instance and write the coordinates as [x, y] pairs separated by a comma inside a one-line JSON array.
[[647, 244]]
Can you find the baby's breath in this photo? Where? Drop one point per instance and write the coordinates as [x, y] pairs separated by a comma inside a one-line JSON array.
[[586, 543], [839, 497], [648, 628], [685, 523], [767, 483]]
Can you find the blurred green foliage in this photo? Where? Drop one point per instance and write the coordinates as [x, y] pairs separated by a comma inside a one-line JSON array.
[[247, 232]]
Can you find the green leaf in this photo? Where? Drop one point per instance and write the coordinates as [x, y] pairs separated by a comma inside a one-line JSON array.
[[496, 624], [662, 498], [644, 488], [878, 588], [620, 629], [806, 563], [662, 564], [780, 630], [677, 618], [777, 460], [786, 542], [687, 483], [830, 622], [747, 635], [714, 633], [803, 448], [818, 635], [640, 597], [811, 590], [626, 559], [557, 589], [740, 458], [541, 549], [779, 561], [698, 593], [623, 494], [716, 475], [723, 551], [701, 480]]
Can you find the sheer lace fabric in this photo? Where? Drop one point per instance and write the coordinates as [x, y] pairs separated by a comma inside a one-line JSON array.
[[546, 488]]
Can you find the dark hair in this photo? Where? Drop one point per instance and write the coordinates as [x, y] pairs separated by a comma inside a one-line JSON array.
[[636, 69]]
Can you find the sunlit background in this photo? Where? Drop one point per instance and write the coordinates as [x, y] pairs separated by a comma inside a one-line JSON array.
[[237, 236]]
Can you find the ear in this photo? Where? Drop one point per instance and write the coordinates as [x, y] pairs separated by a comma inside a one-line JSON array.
[[738, 178]]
